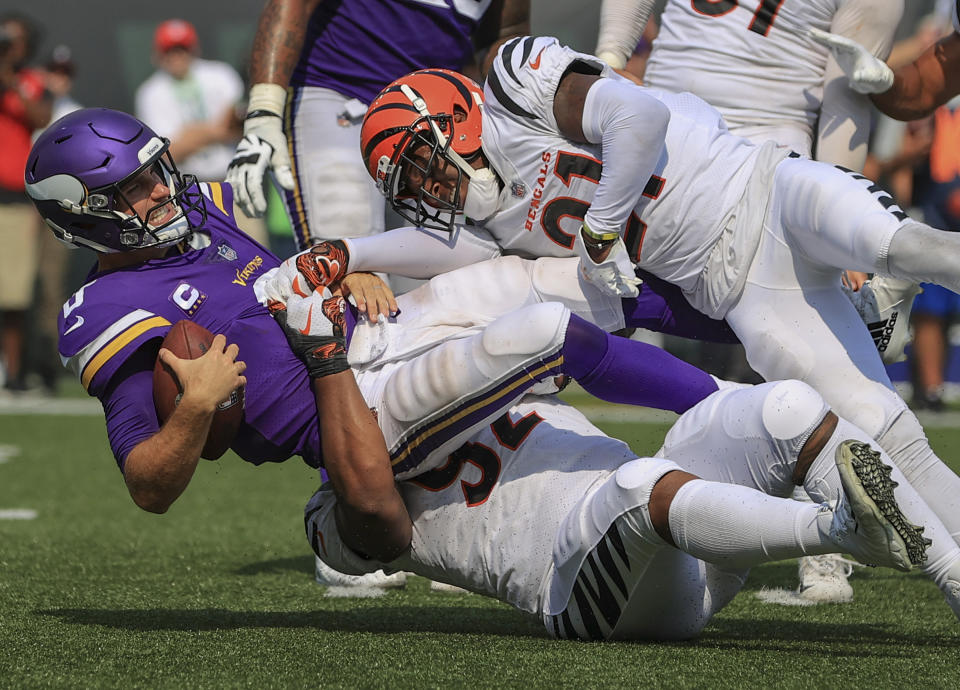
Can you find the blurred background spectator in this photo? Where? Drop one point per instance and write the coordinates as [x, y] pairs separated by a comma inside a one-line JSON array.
[[197, 104], [51, 290], [24, 107], [192, 101], [59, 71]]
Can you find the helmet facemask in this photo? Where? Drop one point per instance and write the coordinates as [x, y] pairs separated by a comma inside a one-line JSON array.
[[136, 231], [421, 157], [100, 216]]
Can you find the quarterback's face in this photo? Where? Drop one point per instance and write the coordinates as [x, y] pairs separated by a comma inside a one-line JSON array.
[[144, 195]]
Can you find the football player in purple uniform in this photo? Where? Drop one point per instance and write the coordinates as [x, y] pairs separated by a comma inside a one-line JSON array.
[[335, 57], [168, 249]]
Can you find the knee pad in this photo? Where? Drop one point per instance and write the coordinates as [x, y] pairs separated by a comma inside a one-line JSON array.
[[534, 329], [521, 343], [790, 412]]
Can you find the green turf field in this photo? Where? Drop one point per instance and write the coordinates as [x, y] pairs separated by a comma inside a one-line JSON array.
[[218, 593]]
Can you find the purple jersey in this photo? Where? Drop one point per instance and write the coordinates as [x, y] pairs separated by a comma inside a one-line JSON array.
[[357, 47], [105, 323]]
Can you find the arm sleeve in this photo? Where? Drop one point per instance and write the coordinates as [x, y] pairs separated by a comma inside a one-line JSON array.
[[630, 125], [420, 253], [621, 25], [845, 116], [128, 406]]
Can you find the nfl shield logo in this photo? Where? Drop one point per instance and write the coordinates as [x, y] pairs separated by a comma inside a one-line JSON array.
[[518, 189], [227, 252]]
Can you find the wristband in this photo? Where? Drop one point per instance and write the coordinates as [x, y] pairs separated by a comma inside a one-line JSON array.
[[261, 113], [598, 238], [269, 97]]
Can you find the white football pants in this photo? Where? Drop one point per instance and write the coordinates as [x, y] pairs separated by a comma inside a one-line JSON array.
[[795, 322]]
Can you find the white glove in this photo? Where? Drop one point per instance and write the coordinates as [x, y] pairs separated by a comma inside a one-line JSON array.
[[614, 275], [264, 145], [866, 73]]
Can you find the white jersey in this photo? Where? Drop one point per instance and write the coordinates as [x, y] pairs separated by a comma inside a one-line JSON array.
[[550, 181], [472, 517], [754, 62], [169, 106]]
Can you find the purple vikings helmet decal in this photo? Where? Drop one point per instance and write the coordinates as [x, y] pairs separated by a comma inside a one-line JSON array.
[[78, 169]]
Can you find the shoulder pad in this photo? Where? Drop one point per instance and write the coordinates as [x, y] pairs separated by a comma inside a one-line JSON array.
[[525, 74], [96, 337]]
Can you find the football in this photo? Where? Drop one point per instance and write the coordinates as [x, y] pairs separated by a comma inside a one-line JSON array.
[[189, 340]]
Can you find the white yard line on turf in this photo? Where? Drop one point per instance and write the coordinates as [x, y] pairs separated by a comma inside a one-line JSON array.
[[7, 452], [17, 514]]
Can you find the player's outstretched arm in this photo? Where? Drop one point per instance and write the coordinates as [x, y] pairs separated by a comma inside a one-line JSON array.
[[924, 85], [371, 516], [158, 470]]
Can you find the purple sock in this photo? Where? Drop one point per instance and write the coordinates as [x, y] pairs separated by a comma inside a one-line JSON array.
[[626, 371]]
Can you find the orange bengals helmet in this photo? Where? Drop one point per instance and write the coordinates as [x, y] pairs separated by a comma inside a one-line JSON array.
[[434, 108]]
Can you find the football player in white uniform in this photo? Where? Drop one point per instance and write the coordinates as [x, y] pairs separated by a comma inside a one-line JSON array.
[[577, 161], [543, 511], [449, 359], [770, 80]]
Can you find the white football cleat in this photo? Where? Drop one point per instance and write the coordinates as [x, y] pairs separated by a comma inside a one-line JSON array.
[[356, 586], [884, 304], [823, 579], [447, 588], [867, 522], [951, 588]]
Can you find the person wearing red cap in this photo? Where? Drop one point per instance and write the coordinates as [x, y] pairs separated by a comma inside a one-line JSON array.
[[191, 101]]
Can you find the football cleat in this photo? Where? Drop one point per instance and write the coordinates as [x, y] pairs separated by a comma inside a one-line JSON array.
[[951, 588], [867, 522], [823, 579], [369, 585], [447, 588], [884, 304]]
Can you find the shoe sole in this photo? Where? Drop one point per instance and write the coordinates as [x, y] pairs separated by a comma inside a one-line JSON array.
[[867, 483]]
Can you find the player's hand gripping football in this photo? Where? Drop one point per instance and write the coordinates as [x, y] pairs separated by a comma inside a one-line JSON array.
[[866, 73], [211, 378], [610, 268]]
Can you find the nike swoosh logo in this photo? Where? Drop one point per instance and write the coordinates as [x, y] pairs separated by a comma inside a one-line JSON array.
[[535, 64], [306, 329], [75, 326]]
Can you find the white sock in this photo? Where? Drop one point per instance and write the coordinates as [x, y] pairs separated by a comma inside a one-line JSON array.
[[735, 526]]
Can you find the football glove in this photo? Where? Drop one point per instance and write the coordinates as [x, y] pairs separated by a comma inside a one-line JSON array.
[[324, 264], [615, 275], [315, 327], [865, 73], [263, 147]]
